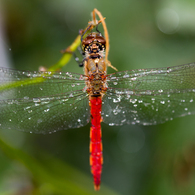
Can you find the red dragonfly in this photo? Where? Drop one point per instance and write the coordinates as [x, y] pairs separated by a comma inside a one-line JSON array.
[[46, 102]]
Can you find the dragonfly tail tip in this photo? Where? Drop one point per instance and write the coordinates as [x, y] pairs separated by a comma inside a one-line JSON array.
[[96, 187]]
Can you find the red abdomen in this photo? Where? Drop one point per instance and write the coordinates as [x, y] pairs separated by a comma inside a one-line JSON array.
[[96, 157]]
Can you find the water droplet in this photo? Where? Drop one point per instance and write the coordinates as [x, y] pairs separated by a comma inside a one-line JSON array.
[[123, 120], [126, 76], [133, 101], [36, 100], [115, 100], [26, 97], [71, 95], [148, 92], [111, 124], [113, 78], [47, 110], [160, 91], [129, 92]]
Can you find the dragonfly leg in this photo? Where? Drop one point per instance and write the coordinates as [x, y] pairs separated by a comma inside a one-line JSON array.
[[98, 30], [80, 63]]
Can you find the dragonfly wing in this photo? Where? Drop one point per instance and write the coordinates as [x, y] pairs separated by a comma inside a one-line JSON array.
[[42, 102], [149, 96]]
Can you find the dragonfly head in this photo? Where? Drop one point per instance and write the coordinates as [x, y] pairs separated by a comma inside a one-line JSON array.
[[93, 43]]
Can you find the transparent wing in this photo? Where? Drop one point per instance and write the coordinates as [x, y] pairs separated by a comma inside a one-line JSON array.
[[149, 96], [42, 102]]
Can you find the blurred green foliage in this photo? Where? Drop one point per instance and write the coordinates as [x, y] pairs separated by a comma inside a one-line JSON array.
[[36, 30], [48, 175]]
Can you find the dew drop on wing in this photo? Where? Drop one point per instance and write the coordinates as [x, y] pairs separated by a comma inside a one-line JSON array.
[[26, 98]]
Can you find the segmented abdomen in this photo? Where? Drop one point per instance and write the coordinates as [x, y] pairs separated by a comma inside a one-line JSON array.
[[96, 157]]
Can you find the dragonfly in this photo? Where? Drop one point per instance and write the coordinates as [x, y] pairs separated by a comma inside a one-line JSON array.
[[49, 101]]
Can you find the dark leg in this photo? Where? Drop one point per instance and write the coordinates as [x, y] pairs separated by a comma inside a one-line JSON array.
[[80, 63], [84, 33], [98, 30]]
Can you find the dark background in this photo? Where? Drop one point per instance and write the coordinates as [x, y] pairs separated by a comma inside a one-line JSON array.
[[137, 160]]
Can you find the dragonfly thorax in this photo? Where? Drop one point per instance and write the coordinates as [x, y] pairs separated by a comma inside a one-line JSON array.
[[94, 63]]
